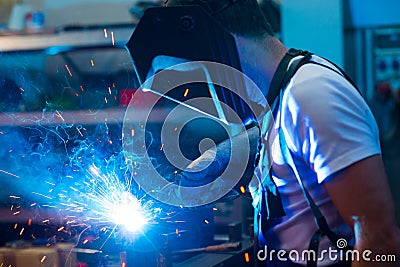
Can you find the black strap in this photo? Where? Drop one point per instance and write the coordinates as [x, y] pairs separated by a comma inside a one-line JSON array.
[[278, 79], [345, 75], [313, 246], [283, 74], [278, 83]]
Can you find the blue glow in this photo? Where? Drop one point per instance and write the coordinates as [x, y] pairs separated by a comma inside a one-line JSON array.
[[62, 160], [114, 202], [128, 213]]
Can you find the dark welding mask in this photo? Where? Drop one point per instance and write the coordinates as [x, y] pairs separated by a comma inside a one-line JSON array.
[[186, 46]]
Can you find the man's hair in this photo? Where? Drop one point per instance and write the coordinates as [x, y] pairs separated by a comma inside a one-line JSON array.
[[241, 17]]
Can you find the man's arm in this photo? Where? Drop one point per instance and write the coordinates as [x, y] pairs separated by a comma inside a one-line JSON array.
[[362, 195], [220, 156]]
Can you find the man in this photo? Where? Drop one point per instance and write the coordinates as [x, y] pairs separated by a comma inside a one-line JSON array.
[[332, 137]]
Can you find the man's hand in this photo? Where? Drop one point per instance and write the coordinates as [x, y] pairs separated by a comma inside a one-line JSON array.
[[214, 161], [362, 195], [209, 165]]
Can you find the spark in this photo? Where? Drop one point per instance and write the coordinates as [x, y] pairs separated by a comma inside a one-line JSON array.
[[112, 38], [186, 92], [42, 195], [74, 189], [43, 259], [92, 62], [109, 90], [79, 131], [69, 71], [247, 257], [162, 147], [105, 33], [9, 173], [22, 231], [242, 189], [112, 201], [58, 114], [100, 196]]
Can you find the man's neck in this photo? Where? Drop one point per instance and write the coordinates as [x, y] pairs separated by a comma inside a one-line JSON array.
[[260, 58]]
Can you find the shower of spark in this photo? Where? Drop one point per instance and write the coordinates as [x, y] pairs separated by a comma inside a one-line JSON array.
[[63, 166], [85, 183], [111, 200]]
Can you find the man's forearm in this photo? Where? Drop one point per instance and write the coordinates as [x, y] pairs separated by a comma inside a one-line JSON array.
[[239, 143]]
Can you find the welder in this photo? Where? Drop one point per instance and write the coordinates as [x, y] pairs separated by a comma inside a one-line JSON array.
[[320, 185]]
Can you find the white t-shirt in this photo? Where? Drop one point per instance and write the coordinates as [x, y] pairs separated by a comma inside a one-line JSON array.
[[327, 126]]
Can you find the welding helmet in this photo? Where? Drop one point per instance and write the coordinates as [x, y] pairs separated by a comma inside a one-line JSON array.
[[168, 37]]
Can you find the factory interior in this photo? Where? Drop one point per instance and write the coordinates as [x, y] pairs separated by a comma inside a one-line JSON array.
[[74, 179]]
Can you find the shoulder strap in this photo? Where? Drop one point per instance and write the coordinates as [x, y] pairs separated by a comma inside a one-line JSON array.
[[339, 71], [284, 73], [281, 76], [319, 218], [277, 86]]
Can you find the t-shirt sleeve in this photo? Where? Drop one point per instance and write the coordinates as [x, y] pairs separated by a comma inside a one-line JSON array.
[[327, 122]]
